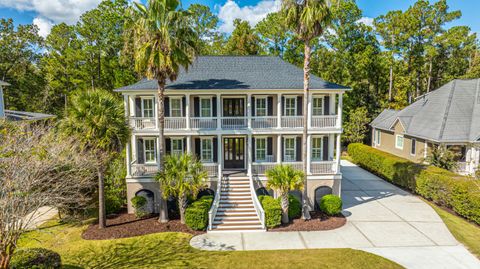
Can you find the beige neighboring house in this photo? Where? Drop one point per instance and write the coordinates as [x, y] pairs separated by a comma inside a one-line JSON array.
[[447, 116]]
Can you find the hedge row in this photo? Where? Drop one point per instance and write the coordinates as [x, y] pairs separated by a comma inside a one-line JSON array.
[[273, 211], [443, 187], [196, 215]]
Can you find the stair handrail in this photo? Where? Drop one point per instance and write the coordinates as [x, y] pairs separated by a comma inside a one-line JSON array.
[[216, 203], [256, 203]]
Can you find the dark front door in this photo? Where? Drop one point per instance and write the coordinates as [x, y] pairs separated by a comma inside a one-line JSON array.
[[233, 107], [234, 152]]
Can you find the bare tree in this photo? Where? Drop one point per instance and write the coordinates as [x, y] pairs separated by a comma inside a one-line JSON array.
[[37, 169]]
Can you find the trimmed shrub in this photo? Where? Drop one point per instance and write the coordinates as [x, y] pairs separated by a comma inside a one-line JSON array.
[[37, 258], [138, 203], [273, 211], [331, 204], [196, 215], [294, 207]]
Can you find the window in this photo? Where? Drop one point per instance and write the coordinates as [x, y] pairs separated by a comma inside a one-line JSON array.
[[413, 150], [376, 137], [149, 151], [147, 107], [290, 149], [290, 106], [317, 106], [177, 146], [317, 148], [399, 141], [260, 149], [206, 150], [261, 106], [205, 107], [175, 107]]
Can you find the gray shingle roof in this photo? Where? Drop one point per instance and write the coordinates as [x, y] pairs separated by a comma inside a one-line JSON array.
[[238, 72], [449, 114]]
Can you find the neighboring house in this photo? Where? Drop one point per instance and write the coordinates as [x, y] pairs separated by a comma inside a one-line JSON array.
[[448, 116], [17, 115], [241, 115]]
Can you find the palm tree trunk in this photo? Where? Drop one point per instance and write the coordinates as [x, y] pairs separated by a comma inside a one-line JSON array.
[[182, 206], [161, 145], [284, 204], [102, 216], [306, 81]]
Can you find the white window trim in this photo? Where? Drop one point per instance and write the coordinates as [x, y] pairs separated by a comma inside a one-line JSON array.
[[181, 143], [294, 148], [181, 105], [201, 149], [378, 135], [143, 106], [266, 148], [265, 98], [211, 106], [154, 150], [396, 142], [321, 149], [414, 142], [295, 113], [323, 104]]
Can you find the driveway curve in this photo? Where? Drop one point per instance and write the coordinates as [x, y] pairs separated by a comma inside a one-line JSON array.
[[381, 219]]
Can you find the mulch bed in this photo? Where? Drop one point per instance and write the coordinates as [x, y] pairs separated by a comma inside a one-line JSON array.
[[319, 222], [127, 225]]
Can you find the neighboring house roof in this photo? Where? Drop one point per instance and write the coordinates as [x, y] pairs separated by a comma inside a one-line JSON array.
[[238, 72], [448, 114], [20, 115]]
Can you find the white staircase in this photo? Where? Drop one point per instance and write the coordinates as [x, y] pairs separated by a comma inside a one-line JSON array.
[[236, 207]]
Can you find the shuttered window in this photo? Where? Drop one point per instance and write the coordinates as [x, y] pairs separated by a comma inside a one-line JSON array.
[[175, 107], [317, 148], [177, 146], [147, 107], [261, 106], [205, 107], [290, 149], [260, 149], [206, 150], [317, 106], [290, 106], [149, 150]]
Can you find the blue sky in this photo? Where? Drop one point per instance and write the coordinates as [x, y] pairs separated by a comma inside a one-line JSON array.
[[46, 13]]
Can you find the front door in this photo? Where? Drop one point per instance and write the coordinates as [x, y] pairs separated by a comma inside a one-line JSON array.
[[233, 107], [234, 152]]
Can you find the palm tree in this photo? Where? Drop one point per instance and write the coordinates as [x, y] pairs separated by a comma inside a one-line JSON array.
[[183, 175], [308, 19], [282, 179], [96, 118], [163, 41]]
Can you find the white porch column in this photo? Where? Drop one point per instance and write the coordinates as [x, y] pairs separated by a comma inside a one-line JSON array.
[[125, 104], [134, 147], [333, 99], [220, 155], [155, 106], [219, 111], [279, 110], [279, 149], [129, 160], [339, 152], [187, 111], [331, 146], [309, 111], [249, 111], [309, 154], [340, 108], [249, 150], [189, 144], [131, 101]]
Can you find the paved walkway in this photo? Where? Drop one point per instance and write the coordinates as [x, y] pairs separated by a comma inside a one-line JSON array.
[[39, 217], [382, 219]]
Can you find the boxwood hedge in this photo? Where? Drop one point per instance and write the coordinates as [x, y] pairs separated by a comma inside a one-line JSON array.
[[273, 211], [196, 215]]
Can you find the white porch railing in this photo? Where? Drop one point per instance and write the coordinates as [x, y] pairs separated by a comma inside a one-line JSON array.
[[216, 202], [142, 123], [261, 168], [234, 122], [141, 170], [203, 123], [174, 123], [295, 165], [256, 203], [323, 167], [292, 121], [329, 121], [264, 122], [211, 168]]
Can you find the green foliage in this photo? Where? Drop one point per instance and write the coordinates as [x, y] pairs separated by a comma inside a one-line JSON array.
[[243, 40], [115, 185], [273, 211], [273, 34], [35, 258], [356, 127], [139, 203], [294, 207], [284, 178], [442, 157], [196, 215], [331, 204], [205, 25], [461, 194]]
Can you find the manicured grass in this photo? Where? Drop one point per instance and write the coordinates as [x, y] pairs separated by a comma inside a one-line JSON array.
[[172, 250], [465, 232]]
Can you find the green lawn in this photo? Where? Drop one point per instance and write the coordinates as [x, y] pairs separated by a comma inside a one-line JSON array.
[[465, 232], [172, 250]]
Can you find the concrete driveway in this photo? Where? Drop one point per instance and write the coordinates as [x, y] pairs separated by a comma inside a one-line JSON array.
[[382, 219]]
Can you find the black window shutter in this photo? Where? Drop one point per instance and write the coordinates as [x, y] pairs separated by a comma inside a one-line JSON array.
[[184, 101], [197, 147], [299, 106], [326, 105], [185, 144], [283, 148], [253, 149], [283, 106], [325, 148], [138, 107], [270, 105], [196, 106], [215, 149], [166, 105], [299, 149], [140, 157], [253, 106], [168, 146], [214, 106], [270, 146]]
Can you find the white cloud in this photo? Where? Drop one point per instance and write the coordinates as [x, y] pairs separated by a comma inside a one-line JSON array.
[[44, 26], [253, 14], [366, 20]]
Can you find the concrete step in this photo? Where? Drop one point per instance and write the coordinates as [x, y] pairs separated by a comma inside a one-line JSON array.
[[236, 198], [237, 227], [240, 202], [235, 214], [226, 219], [236, 222], [235, 189], [237, 193], [235, 210], [230, 205]]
